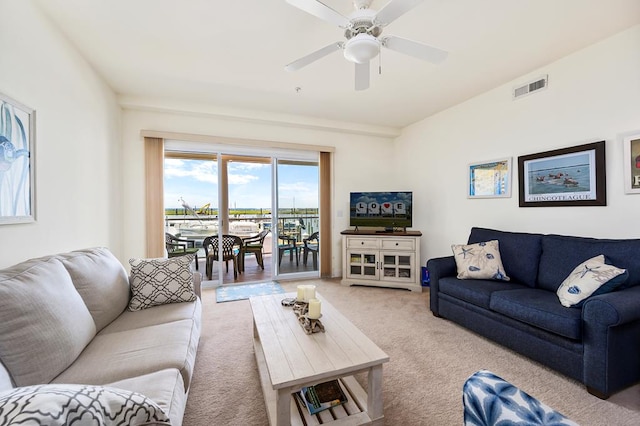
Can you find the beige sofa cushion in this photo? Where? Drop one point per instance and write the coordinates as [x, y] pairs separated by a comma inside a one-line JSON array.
[[130, 320], [101, 280], [5, 379], [116, 356], [44, 324], [164, 387]]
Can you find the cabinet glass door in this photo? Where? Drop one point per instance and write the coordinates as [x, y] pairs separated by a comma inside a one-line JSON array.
[[397, 266], [363, 265], [404, 267]]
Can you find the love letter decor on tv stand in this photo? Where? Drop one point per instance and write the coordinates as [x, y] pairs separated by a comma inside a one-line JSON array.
[[392, 210]]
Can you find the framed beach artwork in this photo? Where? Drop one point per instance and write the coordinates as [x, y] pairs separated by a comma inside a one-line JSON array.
[[490, 179], [17, 149], [631, 147], [564, 177]]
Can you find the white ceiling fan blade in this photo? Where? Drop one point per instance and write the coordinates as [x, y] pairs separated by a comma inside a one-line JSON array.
[[312, 57], [322, 11], [362, 76], [415, 49], [393, 10]]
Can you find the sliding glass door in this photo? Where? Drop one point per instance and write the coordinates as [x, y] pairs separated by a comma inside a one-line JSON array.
[[191, 203], [297, 218], [267, 199], [248, 192]]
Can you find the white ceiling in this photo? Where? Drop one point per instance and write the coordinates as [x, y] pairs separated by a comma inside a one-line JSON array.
[[232, 54]]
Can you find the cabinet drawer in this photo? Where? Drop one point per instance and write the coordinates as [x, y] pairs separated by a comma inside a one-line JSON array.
[[398, 244], [365, 243]]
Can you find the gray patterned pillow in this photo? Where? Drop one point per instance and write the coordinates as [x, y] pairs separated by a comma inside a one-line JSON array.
[[161, 281], [479, 261], [79, 405]]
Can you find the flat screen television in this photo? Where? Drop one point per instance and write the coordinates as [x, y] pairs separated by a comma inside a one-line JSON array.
[[381, 209]]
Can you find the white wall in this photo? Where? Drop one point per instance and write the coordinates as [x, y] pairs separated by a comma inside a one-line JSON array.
[[78, 179], [361, 162], [593, 95]]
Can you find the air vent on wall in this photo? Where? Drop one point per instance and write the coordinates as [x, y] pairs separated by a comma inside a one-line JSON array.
[[533, 86]]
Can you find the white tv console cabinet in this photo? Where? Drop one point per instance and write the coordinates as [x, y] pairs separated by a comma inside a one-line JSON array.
[[389, 259]]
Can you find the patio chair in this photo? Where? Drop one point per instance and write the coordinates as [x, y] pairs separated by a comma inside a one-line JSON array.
[[180, 247], [231, 250], [311, 244], [287, 243], [255, 245]]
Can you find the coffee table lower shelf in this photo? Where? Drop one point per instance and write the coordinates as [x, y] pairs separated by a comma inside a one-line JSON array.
[[352, 413]]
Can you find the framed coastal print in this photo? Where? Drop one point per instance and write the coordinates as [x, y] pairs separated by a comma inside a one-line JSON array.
[[631, 147], [564, 177], [490, 179], [17, 155]]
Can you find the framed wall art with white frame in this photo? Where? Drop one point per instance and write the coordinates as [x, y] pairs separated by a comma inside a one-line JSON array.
[[17, 162], [490, 179]]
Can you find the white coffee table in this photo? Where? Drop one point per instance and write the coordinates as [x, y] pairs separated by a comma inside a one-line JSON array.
[[289, 359]]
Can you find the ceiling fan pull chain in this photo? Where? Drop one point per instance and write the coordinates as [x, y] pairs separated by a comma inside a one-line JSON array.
[[379, 61]]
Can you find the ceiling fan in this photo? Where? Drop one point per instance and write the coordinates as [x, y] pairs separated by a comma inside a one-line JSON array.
[[363, 31]]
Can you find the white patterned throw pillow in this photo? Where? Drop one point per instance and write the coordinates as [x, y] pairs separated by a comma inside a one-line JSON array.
[[590, 278], [479, 261], [161, 281], [78, 405]]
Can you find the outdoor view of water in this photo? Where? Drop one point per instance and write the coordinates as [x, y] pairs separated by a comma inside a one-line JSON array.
[[560, 180]]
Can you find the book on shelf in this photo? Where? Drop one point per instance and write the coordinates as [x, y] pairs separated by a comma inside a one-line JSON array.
[[322, 396]]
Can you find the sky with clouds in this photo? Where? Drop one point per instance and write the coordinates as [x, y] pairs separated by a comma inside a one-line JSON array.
[[196, 181]]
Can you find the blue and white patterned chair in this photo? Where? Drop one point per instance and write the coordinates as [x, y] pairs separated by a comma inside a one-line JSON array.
[[489, 400]]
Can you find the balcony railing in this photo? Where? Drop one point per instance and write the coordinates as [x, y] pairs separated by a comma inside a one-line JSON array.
[[198, 228]]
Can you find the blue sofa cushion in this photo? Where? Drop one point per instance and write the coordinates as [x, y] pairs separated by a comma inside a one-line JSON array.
[[477, 292], [561, 254], [520, 252], [540, 309]]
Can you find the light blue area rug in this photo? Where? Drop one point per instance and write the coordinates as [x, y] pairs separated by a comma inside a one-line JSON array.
[[241, 292]]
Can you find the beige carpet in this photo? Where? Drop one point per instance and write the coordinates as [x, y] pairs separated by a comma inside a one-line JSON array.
[[430, 360]]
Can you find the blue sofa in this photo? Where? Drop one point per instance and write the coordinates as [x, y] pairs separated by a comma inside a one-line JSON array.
[[597, 344]]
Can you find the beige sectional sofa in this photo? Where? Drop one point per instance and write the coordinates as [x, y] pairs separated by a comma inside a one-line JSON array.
[[66, 319]]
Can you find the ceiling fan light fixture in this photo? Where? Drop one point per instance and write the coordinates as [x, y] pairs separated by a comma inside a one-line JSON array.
[[361, 48]]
